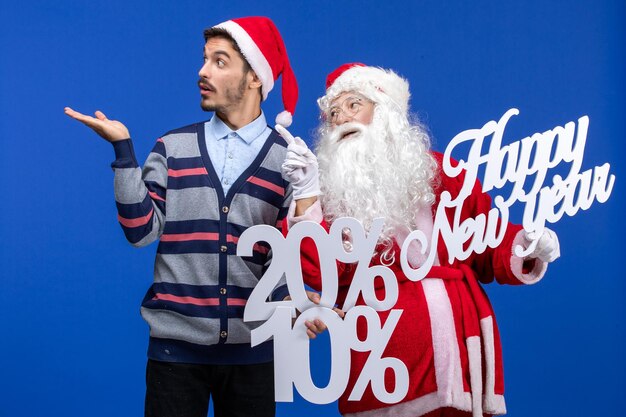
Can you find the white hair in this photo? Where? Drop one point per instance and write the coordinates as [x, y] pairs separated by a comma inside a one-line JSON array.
[[384, 170]]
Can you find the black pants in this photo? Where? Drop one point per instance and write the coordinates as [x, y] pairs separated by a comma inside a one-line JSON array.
[[184, 390]]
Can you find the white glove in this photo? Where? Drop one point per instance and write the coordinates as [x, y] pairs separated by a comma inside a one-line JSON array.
[[300, 167], [548, 248]]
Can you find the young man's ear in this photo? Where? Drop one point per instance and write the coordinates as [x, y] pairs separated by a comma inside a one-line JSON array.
[[255, 82]]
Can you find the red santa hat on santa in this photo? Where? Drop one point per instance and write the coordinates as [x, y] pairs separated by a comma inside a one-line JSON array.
[[377, 84], [263, 48]]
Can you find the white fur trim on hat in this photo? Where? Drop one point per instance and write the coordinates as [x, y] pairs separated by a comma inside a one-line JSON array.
[[284, 118], [252, 54], [375, 83]]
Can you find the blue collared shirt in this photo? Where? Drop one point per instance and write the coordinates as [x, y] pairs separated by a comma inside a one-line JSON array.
[[231, 152]]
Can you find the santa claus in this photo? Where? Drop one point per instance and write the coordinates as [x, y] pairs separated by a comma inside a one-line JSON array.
[[372, 162]]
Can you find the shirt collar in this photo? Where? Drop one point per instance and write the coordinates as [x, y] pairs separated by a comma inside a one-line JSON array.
[[248, 133]]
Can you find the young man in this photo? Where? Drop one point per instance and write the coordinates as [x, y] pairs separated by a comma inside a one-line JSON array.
[[374, 163], [201, 187]]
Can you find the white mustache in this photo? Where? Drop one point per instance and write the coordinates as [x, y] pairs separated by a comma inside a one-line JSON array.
[[338, 133]]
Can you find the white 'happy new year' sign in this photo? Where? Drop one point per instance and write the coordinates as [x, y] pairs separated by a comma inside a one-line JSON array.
[[528, 158]]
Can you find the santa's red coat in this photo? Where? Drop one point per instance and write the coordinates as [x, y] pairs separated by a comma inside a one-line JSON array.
[[447, 335]]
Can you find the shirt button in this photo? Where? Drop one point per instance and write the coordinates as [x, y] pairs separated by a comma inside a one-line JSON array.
[[223, 291], [226, 182], [225, 209], [223, 248], [230, 156], [223, 334]]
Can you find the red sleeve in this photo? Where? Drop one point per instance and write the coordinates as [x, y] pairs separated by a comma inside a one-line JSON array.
[[493, 262]]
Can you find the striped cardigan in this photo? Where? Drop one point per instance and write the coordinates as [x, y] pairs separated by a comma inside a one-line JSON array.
[[195, 306]]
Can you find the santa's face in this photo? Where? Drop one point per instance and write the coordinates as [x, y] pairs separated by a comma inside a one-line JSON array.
[[357, 161], [372, 164], [350, 107]]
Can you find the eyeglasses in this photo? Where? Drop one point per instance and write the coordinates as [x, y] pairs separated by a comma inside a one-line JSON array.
[[350, 106]]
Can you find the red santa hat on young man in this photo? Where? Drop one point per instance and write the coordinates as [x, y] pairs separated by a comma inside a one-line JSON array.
[[263, 48], [377, 84]]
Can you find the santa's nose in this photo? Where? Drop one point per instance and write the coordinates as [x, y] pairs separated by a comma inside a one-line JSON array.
[[342, 118]]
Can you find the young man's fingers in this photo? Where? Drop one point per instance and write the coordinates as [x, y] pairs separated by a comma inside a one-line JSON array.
[[313, 296], [320, 326], [339, 312], [314, 328], [77, 115]]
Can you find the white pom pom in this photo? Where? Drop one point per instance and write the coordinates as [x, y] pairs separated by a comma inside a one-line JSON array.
[[284, 118]]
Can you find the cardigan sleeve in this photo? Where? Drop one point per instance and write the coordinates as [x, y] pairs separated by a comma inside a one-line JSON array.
[[140, 195]]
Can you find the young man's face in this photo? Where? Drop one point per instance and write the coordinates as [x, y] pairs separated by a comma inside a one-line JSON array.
[[223, 82]]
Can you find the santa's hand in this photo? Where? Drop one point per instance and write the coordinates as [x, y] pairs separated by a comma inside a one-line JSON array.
[[317, 326], [548, 248], [299, 167]]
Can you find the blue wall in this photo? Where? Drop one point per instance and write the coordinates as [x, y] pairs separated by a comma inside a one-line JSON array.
[[71, 338]]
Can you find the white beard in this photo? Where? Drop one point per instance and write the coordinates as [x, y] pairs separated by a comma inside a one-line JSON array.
[[382, 170]]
